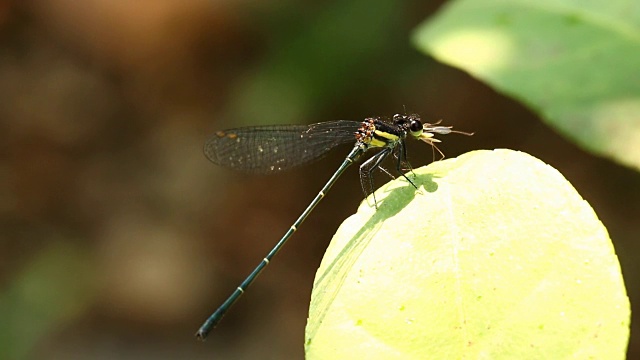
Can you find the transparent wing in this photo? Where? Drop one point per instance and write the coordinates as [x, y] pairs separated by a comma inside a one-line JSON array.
[[268, 149]]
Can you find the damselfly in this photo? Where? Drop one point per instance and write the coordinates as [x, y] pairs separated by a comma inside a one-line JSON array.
[[270, 149]]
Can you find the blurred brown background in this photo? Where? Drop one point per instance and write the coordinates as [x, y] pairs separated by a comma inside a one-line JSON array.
[[119, 238]]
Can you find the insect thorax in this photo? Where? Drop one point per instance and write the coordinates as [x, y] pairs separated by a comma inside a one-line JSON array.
[[374, 132]]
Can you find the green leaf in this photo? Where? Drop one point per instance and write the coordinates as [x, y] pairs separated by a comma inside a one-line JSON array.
[[496, 257], [574, 61]]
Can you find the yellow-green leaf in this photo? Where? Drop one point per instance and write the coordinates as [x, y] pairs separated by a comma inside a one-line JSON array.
[[495, 257]]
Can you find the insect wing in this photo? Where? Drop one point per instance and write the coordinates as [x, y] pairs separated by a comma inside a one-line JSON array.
[[268, 149]]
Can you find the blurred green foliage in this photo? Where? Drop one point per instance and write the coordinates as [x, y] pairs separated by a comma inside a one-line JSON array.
[[53, 290], [574, 62]]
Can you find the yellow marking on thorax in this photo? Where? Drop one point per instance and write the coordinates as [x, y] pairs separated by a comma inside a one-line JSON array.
[[381, 138], [386, 135], [376, 143]]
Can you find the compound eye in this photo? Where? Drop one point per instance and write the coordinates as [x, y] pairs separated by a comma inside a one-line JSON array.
[[415, 126]]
